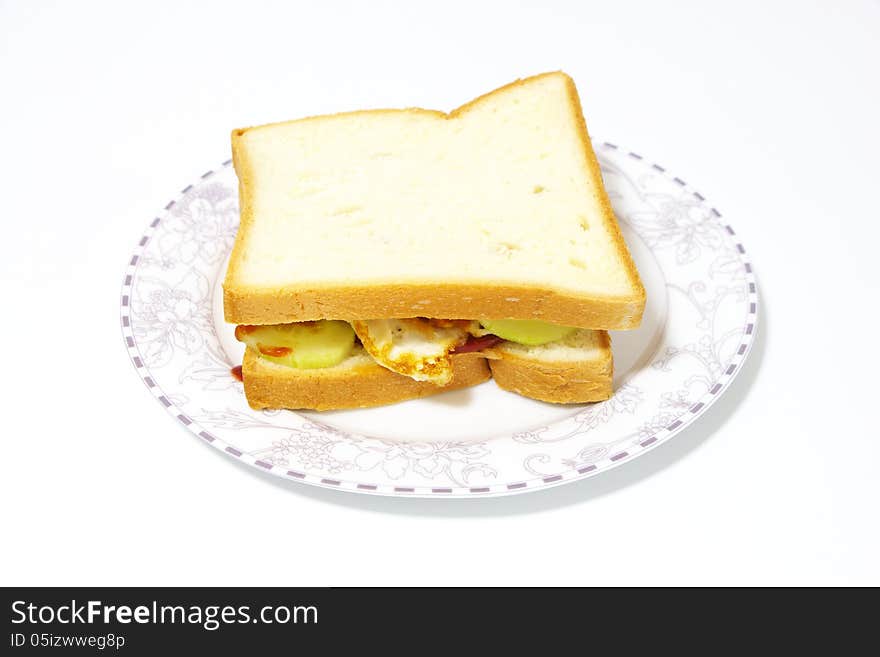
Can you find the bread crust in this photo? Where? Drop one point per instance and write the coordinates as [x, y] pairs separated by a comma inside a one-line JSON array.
[[558, 382], [477, 300], [446, 301], [366, 384]]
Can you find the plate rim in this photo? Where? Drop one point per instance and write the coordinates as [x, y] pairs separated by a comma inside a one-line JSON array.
[[731, 369]]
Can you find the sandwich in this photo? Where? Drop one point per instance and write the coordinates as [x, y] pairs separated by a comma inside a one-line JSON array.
[[385, 255]]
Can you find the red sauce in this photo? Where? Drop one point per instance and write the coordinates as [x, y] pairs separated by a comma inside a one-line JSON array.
[[236, 373], [242, 330], [277, 352], [477, 344]]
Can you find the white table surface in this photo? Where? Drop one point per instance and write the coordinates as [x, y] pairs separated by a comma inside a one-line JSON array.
[[770, 109]]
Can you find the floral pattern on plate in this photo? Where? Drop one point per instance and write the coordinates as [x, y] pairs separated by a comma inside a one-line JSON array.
[[169, 331]]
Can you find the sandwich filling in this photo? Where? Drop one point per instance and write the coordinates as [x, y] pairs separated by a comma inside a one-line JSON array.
[[418, 347]]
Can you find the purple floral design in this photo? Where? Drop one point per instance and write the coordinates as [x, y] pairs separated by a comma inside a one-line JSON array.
[[625, 400], [212, 371], [170, 317], [728, 267], [310, 450], [590, 454], [709, 351], [657, 423], [454, 461], [201, 226], [315, 446], [683, 224], [703, 351], [333, 454]]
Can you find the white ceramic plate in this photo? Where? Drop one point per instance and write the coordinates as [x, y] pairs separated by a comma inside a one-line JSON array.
[[698, 328]]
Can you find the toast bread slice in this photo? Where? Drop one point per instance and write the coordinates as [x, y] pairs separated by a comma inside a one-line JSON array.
[[574, 370], [357, 382], [496, 210]]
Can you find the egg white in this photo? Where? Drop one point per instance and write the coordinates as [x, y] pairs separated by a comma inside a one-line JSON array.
[[416, 348]]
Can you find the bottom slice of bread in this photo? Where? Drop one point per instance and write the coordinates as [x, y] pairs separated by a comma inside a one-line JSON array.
[[576, 369], [357, 382]]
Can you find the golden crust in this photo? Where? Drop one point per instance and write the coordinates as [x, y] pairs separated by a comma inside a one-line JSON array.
[[365, 384], [247, 305], [558, 382], [450, 300]]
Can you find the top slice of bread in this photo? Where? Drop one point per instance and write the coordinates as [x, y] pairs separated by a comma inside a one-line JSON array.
[[495, 210]]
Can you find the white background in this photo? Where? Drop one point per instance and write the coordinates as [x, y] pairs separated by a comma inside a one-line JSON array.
[[770, 109]]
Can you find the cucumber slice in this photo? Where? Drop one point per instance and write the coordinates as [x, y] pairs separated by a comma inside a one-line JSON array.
[[526, 331], [306, 345]]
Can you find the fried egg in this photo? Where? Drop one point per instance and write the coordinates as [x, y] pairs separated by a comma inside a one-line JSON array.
[[418, 348]]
